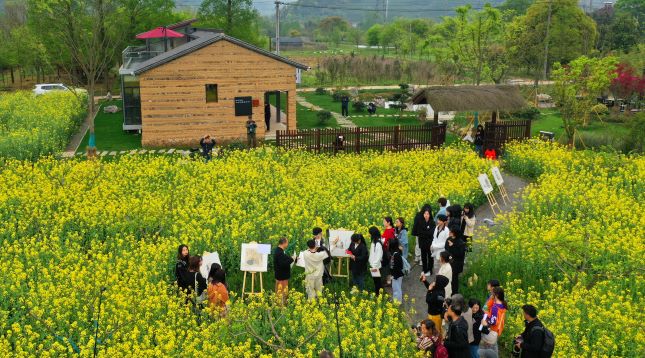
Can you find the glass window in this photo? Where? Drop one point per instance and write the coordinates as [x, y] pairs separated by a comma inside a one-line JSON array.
[[211, 93]]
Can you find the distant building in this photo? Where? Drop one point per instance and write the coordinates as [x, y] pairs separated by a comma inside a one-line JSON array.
[[175, 90], [292, 43]]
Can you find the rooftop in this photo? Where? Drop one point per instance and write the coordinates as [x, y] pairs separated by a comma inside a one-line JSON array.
[[471, 98]]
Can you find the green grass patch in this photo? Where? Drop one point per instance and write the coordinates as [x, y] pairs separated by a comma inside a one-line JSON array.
[[386, 121], [307, 119], [108, 128], [326, 101]]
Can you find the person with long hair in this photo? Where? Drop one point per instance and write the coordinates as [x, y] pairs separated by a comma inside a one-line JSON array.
[[422, 226], [496, 316], [435, 297], [478, 315], [479, 141], [429, 339], [439, 237], [376, 258], [181, 266], [402, 236], [217, 292], [396, 269], [388, 231], [423, 229], [214, 268], [445, 269], [196, 282], [468, 221], [456, 247], [358, 260], [453, 213]]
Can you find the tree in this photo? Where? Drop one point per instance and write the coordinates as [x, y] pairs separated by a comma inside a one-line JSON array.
[[617, 30], [236, 18], [513, 8], [471, 35], [355, 36], [333, 29], [374, 35], [636, 8], [558, 27], [577, 86], [627, 82]]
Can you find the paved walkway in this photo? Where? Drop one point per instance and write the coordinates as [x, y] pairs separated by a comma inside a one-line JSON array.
[[343, 121], [411, 284]]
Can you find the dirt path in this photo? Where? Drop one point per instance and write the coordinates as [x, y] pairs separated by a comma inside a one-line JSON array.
[[415, 289], [342, 121]]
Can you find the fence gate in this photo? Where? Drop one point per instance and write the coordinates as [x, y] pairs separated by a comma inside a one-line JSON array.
[[496, 134]]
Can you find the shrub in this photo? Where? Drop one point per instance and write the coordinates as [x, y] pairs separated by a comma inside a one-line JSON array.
[[600, 109], [359, 106], [34, 126], [323, 116], [337, 95], [321, 91], [525, 113]]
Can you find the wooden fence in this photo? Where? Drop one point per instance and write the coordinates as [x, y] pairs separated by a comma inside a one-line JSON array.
[[498, 133], [355, 140]]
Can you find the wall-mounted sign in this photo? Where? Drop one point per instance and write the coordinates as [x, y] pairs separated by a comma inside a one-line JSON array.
[[243, 106]]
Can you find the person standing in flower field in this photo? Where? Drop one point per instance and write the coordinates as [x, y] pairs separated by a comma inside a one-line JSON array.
[[314, 269], [282, 265], [196, 282], [490, 286], [468, 221], [456, 247], [423, 229], [358, 260], [181, 267], [402, 236], [536, 341], [496, 316], [320, 246], [376, 258], [251, 128], [388, 234], [218, 293], [396, 270], [207, 143]]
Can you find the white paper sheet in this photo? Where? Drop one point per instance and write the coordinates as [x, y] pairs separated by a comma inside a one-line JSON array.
[[497, 175], [339, 241], [254, 257], [208, 259], [485, 183]]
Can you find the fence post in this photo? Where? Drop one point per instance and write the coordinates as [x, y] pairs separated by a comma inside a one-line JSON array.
[[277, 138], [527, 130], [358, 139], [318, 140], [397, 133]]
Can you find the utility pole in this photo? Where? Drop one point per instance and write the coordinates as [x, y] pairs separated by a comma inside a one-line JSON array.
[[387, 5], [277, 27], [546, 42]]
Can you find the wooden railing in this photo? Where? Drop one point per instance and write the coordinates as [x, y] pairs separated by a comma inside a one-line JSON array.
[[356, 140], [499, 133]]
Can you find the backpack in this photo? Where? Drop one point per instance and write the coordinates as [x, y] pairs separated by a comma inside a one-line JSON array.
[[548, 345], [385, 260], [406, 267], [440, 351]]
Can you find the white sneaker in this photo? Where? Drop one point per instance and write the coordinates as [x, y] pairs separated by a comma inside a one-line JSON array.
[[428, 274]]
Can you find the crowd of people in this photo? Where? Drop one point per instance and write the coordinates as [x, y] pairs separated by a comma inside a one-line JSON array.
[[453, 328]]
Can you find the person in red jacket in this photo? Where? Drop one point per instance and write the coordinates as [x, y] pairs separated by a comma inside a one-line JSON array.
[[388, 234], [490, 154]]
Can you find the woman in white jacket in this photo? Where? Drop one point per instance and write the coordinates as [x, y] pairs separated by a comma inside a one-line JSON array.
[[439, 239], [376, 257], [446, 270]]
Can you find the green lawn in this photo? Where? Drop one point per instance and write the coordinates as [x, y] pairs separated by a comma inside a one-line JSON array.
[[307, 119], [386, 121], [326, 101], [551, 121], [109, 131]]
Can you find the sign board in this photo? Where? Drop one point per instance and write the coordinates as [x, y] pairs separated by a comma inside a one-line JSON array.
[[497, 175], [208, 259], [485, 183], [243, 106], [339, 241], [255, 257]]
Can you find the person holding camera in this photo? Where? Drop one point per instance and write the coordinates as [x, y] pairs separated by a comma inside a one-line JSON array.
[[456, 247], [429, 339], [435, 296], [530, 343], [457, 335]]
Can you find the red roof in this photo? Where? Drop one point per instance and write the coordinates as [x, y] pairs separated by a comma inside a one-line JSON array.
[[159, 32]]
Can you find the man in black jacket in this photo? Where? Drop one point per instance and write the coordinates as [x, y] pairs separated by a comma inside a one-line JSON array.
[[456, 247], [533, 335], [457, 336], [282, 266], [423, 229], [358, 260]]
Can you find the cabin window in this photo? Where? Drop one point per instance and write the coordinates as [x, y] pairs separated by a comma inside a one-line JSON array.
[[211, 93]]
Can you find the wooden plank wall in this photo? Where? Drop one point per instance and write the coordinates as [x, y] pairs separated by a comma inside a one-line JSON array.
[[173, 97]]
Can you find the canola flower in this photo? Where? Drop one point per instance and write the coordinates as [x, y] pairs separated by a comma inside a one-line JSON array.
[[575, 249], [70, 228], [34, 126]]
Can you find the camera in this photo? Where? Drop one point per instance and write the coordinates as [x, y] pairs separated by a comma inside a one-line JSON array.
[[516, 351], [417, 329]]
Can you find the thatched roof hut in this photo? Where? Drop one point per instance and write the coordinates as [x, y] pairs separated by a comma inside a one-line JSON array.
[[470, 98]]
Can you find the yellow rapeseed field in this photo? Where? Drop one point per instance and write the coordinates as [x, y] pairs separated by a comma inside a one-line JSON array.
[[70, 228]]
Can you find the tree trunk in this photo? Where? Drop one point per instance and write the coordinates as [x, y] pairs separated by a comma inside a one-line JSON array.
[[13, 80], [90, 103]]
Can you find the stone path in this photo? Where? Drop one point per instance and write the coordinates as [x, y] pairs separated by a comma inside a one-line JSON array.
[[113, 153], [411, 284], [344, 122]]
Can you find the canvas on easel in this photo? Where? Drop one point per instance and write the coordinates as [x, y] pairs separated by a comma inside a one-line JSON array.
[[339, 242], [254, 260], [497, 176], [487, 187], [208, 259]]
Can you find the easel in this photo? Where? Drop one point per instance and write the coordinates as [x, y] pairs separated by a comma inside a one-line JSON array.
[[252, 292], [493, 203], [339, 267], [504, 193], [497, 175]]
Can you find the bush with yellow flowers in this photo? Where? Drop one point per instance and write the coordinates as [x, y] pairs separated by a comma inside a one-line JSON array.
[[33, 126], [574, 249], [71, 228]]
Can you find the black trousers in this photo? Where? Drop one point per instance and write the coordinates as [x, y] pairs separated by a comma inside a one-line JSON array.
[[457, 269], [267, 121], [345, 110], [378, 285], [426, 257]]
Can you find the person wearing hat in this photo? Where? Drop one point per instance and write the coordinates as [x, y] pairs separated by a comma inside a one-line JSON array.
[[435, 297], [314, 269]]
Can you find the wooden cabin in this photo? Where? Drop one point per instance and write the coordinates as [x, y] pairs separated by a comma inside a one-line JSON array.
[[207, 83]]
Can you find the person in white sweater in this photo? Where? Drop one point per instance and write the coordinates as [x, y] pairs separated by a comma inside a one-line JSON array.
[[314, 269], [446, 270], [375, 258], [439, 239]]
